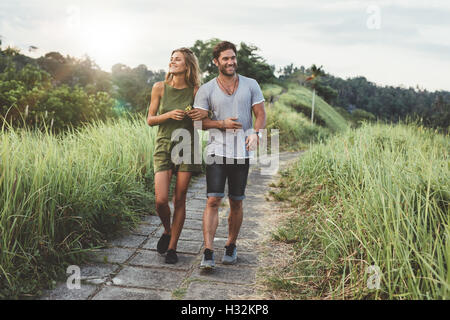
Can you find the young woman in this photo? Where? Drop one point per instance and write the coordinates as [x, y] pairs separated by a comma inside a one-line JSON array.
[[169, 101]]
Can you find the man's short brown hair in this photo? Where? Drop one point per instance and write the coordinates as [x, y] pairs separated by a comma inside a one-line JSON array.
[[222, 46]]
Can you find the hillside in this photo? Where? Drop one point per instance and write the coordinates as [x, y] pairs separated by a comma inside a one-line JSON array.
[[289, 111], [300, 98]]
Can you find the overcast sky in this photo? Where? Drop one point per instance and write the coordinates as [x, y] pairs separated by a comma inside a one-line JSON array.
[[389, 42]]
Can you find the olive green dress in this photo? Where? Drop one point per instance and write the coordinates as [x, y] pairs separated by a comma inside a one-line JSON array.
[[175, 99]]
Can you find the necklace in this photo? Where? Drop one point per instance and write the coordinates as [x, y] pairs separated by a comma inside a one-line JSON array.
[[236, 80]]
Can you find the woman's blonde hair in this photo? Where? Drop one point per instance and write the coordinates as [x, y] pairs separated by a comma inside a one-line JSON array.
[[193, 70]]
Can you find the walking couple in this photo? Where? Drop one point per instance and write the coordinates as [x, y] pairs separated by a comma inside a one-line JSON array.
[[230, 100]]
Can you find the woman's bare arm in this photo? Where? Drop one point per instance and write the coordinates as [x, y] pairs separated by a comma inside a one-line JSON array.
[[152, 118]]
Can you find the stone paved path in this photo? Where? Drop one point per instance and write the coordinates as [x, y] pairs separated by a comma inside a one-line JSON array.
[[130, 267]]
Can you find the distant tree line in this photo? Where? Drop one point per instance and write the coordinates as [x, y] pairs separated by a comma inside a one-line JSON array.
[[34, 97], [63, 91], [363, 99]]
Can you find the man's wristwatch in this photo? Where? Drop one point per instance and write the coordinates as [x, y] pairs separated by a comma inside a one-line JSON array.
[[259, 134]]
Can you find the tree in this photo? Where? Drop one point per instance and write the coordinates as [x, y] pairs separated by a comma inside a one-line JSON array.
[[11, 51], [438, 116], [29, 96], [287, 71], [133, 86], [250, 64], [204, 53]]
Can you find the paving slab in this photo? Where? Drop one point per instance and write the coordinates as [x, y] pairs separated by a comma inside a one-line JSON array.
[[129, 241], [151, 219], [243, 245], [227, 274], [111, 255], [61, 292], [194, 215], [193, 224], [189, 234], [196, 204], [97, 273], [119, 293], [145, 229], [244, 233], [150, 278], [154, 259], [244, 258]]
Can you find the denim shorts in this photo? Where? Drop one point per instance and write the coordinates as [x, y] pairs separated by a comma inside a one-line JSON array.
[[236, 170]]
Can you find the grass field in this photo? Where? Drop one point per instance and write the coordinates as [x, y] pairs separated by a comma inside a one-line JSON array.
[[62, 194], [374, 197]]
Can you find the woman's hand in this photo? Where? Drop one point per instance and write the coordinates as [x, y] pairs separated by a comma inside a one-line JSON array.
[[176, 114], [197, 114]]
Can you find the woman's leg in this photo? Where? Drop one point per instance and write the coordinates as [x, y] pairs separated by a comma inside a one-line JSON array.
[[162, 184], [179, 214]]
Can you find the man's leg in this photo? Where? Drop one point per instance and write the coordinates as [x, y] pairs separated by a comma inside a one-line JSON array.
[[234, 220], [211, 221], [215, 186], [237, 182]]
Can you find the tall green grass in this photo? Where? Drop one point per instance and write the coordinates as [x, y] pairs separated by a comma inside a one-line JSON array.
[[62, 194], [295, 131], [271, 91], [378, 195]]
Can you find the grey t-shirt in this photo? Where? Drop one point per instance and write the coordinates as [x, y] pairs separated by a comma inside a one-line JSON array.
[[239, 105]]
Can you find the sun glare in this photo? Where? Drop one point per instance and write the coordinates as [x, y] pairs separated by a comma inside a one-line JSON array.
[[107, 41]]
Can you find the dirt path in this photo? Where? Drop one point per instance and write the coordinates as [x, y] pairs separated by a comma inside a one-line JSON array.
[[130, 268]]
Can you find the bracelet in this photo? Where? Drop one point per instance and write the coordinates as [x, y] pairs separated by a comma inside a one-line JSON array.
[[223, 124]]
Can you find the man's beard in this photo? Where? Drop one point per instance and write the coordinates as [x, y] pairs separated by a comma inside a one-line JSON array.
[[223, 70]]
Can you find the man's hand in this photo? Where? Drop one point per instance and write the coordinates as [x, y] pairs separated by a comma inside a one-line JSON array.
[[197, 114], [252, 141], [229, 123]]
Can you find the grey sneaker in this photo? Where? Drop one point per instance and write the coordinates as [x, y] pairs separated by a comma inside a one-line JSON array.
[[207, 260], [230, 254]]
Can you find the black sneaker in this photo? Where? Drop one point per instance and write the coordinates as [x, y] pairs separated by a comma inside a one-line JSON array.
[[163, 243], [171, 256]]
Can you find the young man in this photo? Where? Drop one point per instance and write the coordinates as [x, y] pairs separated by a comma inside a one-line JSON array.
[[231, 98]]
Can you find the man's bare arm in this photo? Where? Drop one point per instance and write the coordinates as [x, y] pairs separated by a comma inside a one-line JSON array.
[[260, 116], [260, 123]]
